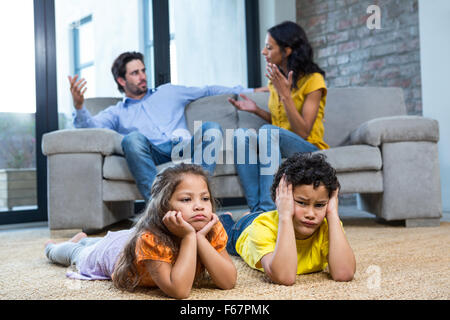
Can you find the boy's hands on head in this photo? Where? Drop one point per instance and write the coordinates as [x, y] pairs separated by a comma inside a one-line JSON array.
[[174, 221], [285, 199], [333, 204], [207, 228]]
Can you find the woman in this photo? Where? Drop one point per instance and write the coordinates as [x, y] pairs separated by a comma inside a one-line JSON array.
[[296, 104]]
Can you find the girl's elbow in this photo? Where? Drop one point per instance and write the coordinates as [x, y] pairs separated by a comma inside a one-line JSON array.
[[229, 285], [180, 294]]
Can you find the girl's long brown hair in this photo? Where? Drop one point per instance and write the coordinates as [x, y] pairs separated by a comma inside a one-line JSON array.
[[125, 275]]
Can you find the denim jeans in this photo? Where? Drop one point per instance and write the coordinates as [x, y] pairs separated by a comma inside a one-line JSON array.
[[263, 154], [234, 229], [143, 156]]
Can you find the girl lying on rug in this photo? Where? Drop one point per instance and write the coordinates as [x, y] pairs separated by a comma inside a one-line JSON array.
[[177, 237], [304, 234]]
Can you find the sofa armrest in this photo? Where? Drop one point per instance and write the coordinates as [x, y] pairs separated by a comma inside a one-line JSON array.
[[395, 129], [102, 141]]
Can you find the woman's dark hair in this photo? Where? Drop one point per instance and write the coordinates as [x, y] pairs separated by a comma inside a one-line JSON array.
[[309, 169], [300, 61], [119, 67]]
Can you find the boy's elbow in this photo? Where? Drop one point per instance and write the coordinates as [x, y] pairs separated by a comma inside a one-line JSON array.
[[283, 279], [343, 275]]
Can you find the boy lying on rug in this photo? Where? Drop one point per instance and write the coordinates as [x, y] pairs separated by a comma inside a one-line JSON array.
[[175, 240], [304, 234]]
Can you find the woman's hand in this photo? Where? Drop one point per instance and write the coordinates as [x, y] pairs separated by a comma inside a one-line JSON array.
[[281, 84], [245, 105], [285, 199], [174, 221], [207, 228]]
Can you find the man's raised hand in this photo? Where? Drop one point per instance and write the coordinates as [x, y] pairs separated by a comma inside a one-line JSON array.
[[77, 88]]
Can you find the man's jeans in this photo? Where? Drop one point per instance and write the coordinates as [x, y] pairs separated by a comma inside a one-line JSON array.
[[143, 156], [263, 153]]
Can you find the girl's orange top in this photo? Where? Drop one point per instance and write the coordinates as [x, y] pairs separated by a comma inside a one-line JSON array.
[[148, 249]]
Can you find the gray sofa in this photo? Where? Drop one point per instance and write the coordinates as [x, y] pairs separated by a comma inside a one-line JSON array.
[[388, 158]]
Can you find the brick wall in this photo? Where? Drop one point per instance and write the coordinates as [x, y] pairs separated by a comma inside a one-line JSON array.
[[353, 55]]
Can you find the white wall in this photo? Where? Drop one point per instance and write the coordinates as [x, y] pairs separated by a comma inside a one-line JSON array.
[[272, 12], [210, 42], [115, 30], [434, 24]]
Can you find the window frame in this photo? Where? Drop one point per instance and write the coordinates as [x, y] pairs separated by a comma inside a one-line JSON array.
[[77, 65]]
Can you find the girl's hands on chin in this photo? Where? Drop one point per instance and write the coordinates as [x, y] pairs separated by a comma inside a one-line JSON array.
[[207, 228], [174, 221]]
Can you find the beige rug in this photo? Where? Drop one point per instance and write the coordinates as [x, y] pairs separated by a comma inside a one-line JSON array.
[[392, 263]]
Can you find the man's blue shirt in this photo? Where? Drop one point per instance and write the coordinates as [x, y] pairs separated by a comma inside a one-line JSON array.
[[157, 115]]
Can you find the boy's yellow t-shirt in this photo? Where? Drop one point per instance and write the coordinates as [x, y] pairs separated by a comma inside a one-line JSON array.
[[305, 85], [260, 238]]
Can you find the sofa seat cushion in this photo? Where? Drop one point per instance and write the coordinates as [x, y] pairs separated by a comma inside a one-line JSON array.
[[354, 158], [116, 168], [344, 159]]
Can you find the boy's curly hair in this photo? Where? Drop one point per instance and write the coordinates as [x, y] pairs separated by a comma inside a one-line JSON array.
[[306, 168]]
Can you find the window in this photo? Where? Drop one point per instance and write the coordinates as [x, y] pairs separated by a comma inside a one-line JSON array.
[[89, 36], [84, 53], [26, 114], [204, 42], [208, 42]]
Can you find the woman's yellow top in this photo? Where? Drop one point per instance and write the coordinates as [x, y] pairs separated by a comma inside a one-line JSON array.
[[305, 85]]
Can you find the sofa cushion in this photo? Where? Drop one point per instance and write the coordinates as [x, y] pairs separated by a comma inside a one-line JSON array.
[[354, 158], [116, 168], [95, 105], [396, 129], [104, 141], [213, 108], [361, 182], [347, 108]]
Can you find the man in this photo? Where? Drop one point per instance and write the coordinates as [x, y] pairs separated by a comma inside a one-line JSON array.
[[149, 119]]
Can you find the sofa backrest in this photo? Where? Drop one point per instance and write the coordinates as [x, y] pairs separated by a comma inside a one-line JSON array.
[[213, 108], [95, 105], [347, 108], [218, 109]]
